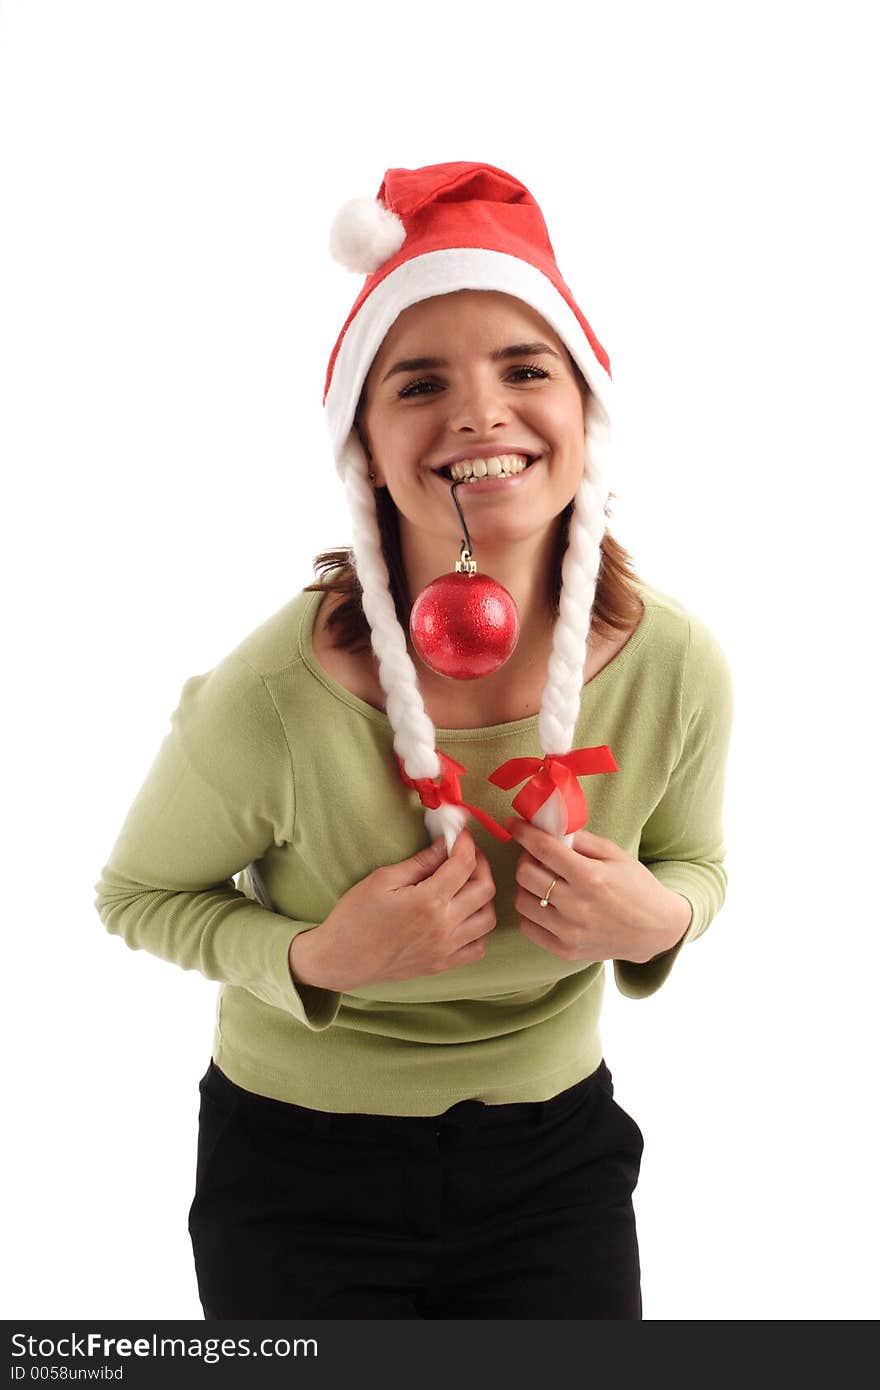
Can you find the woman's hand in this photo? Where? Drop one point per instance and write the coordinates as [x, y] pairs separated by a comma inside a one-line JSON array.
[[606, 905], [429, 913]]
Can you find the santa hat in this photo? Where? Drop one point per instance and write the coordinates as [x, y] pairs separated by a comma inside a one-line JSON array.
[[433, 231]]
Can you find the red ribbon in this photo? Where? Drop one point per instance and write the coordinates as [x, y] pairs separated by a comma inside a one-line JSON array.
[[556, 771], [448, 789]]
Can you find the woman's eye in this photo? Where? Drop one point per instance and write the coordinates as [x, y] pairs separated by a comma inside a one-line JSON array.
[[412, 389]]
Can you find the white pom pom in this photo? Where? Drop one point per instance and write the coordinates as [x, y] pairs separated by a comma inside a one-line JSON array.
[[364, 234]]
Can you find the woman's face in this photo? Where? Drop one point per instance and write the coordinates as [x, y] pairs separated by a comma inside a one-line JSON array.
[[417, 418]]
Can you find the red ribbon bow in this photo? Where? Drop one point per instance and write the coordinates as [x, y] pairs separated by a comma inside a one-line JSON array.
[[555, 771], [448, 789]]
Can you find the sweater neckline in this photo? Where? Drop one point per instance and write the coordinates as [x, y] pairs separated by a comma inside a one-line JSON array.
[[489, 731]]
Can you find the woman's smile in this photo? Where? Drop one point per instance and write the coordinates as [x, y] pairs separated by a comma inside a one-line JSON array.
[[492, 484]]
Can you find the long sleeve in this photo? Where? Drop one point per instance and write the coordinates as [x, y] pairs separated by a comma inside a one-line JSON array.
[[219, 793], [682, 842]]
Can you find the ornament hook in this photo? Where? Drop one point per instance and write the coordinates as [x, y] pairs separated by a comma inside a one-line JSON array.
[[466, 564], [464, 625]]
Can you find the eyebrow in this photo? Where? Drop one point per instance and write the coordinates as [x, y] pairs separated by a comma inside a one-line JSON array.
[[420, 364]]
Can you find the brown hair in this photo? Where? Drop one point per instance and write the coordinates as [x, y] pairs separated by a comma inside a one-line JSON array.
[[617, 606]]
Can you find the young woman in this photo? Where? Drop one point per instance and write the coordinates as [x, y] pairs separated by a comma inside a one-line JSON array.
[[407, 1112]]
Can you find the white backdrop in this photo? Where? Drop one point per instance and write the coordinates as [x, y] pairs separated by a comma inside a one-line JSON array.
[[168, 174]]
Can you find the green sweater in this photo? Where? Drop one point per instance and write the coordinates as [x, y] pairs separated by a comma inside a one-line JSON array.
[[274, 772]]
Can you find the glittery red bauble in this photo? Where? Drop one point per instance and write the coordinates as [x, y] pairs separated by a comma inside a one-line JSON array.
[[464, 625]]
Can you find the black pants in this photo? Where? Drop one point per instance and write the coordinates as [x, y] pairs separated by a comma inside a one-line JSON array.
[[485, 1211]]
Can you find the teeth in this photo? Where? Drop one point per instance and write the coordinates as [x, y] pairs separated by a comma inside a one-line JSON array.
[[505, 465]]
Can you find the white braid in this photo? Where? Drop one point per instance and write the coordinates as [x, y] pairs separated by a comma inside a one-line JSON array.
[[414, 735], [562, 694]]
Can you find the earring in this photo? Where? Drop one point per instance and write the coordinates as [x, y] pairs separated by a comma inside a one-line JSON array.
[[372, 477]]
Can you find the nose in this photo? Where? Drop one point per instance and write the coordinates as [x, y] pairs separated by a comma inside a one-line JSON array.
[[479, 405]]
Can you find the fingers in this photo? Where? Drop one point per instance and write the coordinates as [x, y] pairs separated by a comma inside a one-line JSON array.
[[455, 871], [534, 877], [478, 889], [547, 849], [423, 863], [552, 852]]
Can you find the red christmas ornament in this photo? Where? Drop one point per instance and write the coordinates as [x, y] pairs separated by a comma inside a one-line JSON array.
[[464, 625]]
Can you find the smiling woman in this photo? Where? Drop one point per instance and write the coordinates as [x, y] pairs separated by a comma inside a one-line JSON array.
[[407, 1112]]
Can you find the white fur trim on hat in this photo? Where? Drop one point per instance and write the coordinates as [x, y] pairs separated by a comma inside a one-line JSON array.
[[365, 234]]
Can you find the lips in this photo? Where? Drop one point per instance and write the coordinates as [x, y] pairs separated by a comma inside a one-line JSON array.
[[495, 452], [489, 483]]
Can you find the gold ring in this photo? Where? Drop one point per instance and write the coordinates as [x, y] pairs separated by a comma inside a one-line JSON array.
[[546, 898]]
